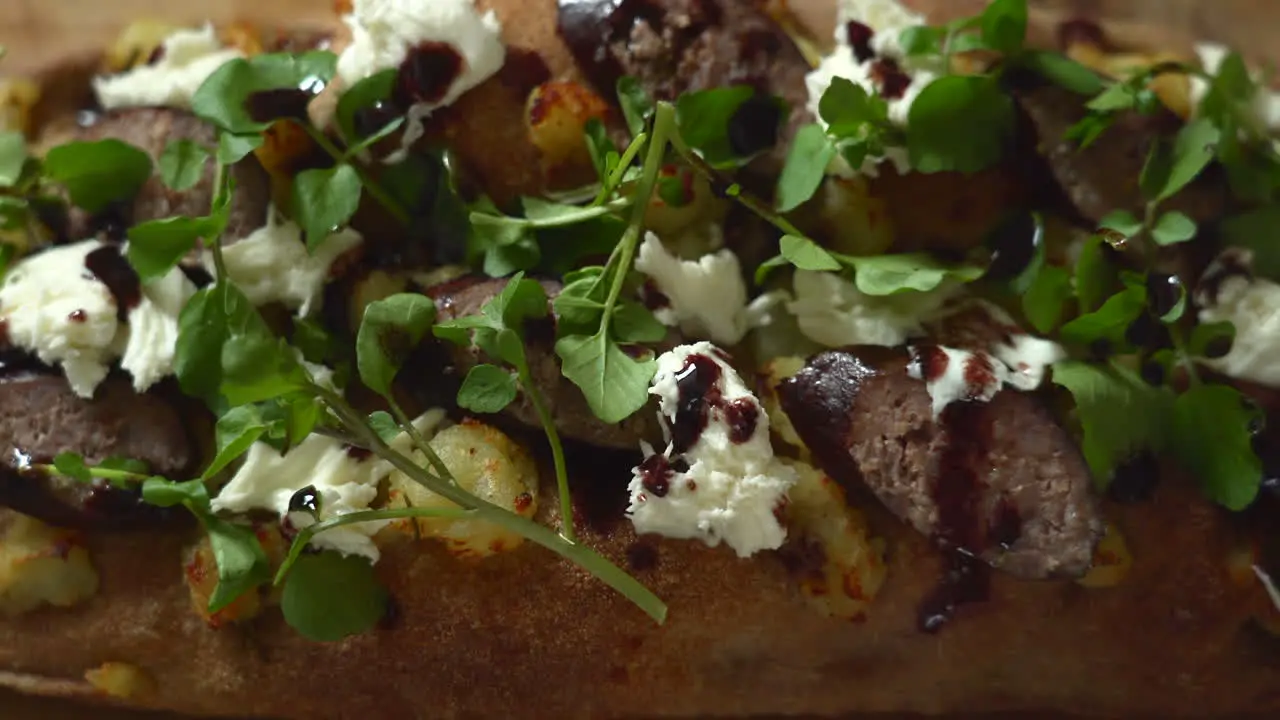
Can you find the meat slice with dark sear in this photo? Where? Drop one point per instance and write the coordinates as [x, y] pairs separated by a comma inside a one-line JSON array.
[[677, 46], [41, 417], [999, 480], [151, 129], [1103, 177], [567, 405]]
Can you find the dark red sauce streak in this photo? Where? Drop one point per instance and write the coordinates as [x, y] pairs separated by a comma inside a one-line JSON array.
[[859, 36], [929, 362], [655, 475], [358, 453], [113, 270], [267, 105], [742, 415], [890, 78], [698, 383], [428, 71]]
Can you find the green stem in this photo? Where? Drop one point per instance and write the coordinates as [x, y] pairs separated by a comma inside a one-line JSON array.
[[219, 264], [557, 449], [420, 442], [308, 533], [664, 129], [585, 557], [735, 191], [112, 476], [376, 191], [624, 164], [565, 220]]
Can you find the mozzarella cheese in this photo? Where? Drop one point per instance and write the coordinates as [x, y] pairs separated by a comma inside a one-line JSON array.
[[708, 297], [345, 482], [57, 310], [273, 264], [1253, 307], [384, 31], [831, 311], [188, 58], [731, 491], [887, 18]]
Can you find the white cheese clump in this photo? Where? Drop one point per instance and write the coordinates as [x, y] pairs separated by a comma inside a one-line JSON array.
[[1264, 106], [188, 58], [730, 491], [384, 31], [272, 264], [345, 483], [831, 311], [953, 375], [1253, 307], [57, 310], [708, 297], [887, 19]]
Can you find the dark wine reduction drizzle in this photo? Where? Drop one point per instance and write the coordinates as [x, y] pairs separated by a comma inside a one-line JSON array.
[[700, 393], [113, 270], [427, 73]]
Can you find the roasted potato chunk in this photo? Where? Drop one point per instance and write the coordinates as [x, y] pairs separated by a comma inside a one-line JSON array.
[[42, 565]]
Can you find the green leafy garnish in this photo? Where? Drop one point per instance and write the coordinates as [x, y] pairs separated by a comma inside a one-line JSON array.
[[1111, 437], [324, 200], [225, 96], [488, 389], [960, 123], [806, 167], [392, 328], [182, 164], [13, 157], [1211, 437], [328, 597], [99, 173]]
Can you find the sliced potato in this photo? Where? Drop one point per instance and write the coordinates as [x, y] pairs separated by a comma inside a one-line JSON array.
[[485, 462], [42, 565], [772, 375]]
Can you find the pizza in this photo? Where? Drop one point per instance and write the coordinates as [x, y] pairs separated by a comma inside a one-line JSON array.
[[475, 358]]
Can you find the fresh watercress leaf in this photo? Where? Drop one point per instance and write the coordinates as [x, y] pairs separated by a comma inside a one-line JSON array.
[[72, 465], [1096, 276], [637, 105], [604, 154], [1211, 340], [807, 254], [1004, 25], [156, 246], [328, 596], [367, 93], [921, 40], [959, 123], [1046, 297], [391, 329], [385, 425], [182, 164], [1121, 221], [324, 200], [1231, 88], [581, 302], [209, 318], [223, 99], [1062, 71], [1110, 321], [1119, 96], [233, 148], [14, 213], [487, 389], [98, 173], [1110, 437], [1172, 228], [806, 166], [703, 118], [635, 323], [259, 367], [164, 493], [615, 384], [891, 274], [7, 252], [1170, 168], [848, 109], [1212, 439], [13, 157], [237, 431], [242, 563]]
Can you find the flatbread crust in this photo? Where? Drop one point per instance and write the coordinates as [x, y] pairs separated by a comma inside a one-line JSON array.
[[527, 633]]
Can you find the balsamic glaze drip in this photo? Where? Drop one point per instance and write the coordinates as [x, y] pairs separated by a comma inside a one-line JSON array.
[[358, 453], [305, 500], [927, 361], [112, 223], [655, 475], [1135, 479], [642, 555], [755, 125], [1228, 265], [277, 104], [652, 297], [698, 383], [1163, 293], [113, 270], [957, 491], [1014, 245], [889, 78], [427, 73], [859, 36], [197, 274]]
